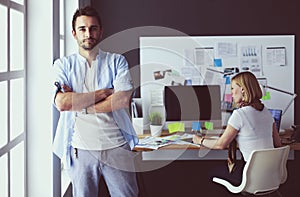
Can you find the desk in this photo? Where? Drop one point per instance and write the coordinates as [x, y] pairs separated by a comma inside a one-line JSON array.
[[189, 152], [286, 139]]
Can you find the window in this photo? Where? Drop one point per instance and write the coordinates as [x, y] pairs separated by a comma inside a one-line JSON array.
[[62, 28], [3, 38], [12, 102]]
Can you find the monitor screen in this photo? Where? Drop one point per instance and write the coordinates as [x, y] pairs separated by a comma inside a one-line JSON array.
[[276, 114], [193, 103]]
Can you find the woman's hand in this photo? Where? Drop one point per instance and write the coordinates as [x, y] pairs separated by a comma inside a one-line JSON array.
[[197, 139]]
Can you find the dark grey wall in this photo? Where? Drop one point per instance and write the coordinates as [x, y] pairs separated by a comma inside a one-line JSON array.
[[204, 17]]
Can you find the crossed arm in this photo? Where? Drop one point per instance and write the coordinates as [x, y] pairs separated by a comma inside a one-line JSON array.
[[111, 103], [104, 100]]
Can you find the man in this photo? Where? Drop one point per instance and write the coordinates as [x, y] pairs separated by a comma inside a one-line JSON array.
[[94, 134]]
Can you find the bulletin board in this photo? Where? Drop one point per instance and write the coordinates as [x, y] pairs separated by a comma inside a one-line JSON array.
[[197, 60]]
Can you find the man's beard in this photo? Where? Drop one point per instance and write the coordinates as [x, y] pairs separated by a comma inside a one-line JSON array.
[[89, 46]]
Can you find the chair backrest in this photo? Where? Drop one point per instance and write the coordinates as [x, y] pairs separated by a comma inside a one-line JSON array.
[[265, 170]]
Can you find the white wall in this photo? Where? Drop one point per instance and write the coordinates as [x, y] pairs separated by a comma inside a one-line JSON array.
[[161, 53], [39, 137], [39, 102], [71, 45]]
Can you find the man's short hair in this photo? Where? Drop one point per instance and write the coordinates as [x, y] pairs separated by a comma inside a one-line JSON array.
[[86, 11]]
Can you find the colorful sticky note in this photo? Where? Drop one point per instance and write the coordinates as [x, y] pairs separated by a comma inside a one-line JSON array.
[[176, 127], [228, 97], [227, 81], [196, 126], [218, 62], [209, 125], [267, 96]]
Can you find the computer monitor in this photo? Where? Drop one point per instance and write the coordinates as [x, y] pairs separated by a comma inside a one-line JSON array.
[[276, 114], [193, 103]]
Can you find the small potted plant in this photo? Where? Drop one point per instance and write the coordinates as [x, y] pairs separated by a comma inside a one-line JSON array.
[[155, 123]]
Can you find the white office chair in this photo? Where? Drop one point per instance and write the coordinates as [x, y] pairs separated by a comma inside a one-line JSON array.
[[263, 173]]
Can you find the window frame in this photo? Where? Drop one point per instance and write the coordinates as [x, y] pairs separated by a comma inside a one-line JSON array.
[[7, 76]]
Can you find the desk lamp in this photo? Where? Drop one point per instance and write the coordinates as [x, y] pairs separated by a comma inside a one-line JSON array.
[[296, 135], [282, 91], [263, 84]]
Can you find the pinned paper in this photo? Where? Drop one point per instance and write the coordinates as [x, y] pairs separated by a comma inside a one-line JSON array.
[[196, 126], [267, 96], [209, 125], [176, 127], [218, 62]]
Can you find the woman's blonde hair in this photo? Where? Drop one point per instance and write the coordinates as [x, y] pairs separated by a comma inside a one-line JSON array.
[[251, 90]]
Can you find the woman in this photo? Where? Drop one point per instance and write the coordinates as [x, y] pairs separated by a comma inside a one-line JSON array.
[[251, 124]]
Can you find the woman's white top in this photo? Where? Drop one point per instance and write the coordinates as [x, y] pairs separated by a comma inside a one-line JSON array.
[[255, 129]]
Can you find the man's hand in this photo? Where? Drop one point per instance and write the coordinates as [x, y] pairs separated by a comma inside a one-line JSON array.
[[116, 101], [72, 101], [66, 88]]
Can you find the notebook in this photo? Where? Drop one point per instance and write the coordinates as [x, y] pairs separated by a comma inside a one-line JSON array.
[[276, 114]]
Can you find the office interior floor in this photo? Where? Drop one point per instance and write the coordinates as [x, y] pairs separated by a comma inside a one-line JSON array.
[[189, 178]]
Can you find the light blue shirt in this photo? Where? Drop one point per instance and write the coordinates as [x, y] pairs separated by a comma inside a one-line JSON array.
[[112, 72]]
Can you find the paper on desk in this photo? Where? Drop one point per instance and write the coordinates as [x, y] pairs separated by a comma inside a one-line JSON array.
[[152, 142], [181, 142], [175, 137], [157, 142], [179, 139]]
